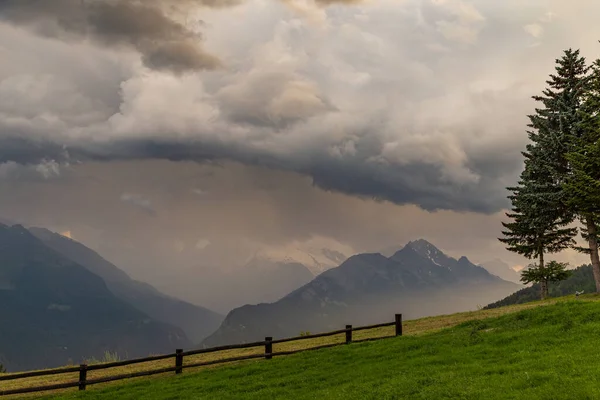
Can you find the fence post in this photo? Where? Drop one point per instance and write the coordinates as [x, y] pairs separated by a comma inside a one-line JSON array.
[[268, 347], [178, 361], [82, 376], [348, 334], [398, 324]]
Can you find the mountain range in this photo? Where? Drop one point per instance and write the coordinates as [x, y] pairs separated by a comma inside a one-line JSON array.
[[418, 280], [197, 322], [501, 270], [61, 301]]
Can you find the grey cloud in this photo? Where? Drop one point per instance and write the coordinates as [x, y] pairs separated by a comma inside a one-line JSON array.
[[376, 111], [152, 27], [26, 151], [272, 99], [415, 183], [165, 43]]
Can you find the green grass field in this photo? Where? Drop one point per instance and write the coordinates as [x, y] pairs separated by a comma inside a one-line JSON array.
[[413, 327], [548, 352]]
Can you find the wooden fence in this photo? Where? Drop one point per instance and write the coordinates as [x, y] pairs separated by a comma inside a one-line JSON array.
[[178, 356]]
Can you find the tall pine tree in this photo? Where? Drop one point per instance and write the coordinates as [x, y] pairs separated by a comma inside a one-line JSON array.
[[541, 215], [582, 186], [533, 231], [555, 124]]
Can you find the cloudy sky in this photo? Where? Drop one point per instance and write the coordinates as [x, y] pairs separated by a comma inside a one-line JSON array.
[[174, 133]]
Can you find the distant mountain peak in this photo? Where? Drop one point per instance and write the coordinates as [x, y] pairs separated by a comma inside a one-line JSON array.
[[422, 244], [427, 250]]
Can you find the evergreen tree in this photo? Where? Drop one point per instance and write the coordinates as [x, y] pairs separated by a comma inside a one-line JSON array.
[[540, 214], [582, 186], [554, 125], [552, 272], [533, 231]]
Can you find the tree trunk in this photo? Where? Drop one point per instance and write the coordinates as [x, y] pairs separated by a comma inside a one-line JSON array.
[[593, 243], [543, 283], [544, 289]]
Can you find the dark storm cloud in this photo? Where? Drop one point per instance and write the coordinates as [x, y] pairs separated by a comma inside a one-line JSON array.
[[408, 102], [415, 183], [23, 150], [146, 26]]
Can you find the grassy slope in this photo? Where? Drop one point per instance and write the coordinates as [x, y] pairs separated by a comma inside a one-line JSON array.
[[546, 352], [414, 327]]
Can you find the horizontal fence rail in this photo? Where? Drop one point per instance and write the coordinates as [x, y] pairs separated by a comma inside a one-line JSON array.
[[179, 355], [223, 348]]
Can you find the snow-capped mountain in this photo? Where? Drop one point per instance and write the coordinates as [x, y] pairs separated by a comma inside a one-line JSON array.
[[317, 254], [419, 280], [430, 252]]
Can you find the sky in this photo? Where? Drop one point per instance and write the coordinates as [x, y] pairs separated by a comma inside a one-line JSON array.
[[174, 135]]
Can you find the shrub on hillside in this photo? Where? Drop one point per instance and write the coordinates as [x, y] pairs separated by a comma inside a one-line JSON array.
[[106, 358], [554, 271]]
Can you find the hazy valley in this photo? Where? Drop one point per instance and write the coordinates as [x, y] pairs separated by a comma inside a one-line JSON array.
[[418, 280], [87, 305]]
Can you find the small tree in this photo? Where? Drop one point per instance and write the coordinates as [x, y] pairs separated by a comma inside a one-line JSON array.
[[2, 369], [552, 272]]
